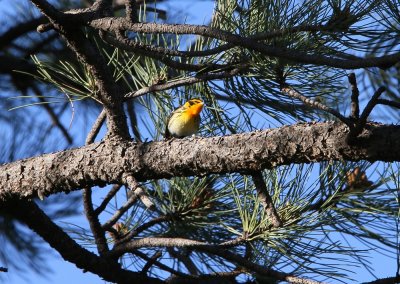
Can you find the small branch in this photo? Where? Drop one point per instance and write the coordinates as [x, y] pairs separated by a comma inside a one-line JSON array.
[[361, 122], [151, 262], [212, 278], [160, 265], [107, 199], [118, 213], [388, 103], [3, 269], [389, 280], [355, 108], [294, 94], [147, 242], [185, 81], [157, 53], [96, 128], [145, 226], [95, 226], [162, 87], [30, 214], [113, 24], [68, 26], [371, 104], [266, 200], [185, 259], [133, 185], [208, 248], [91, 216], [131, 11], [130, 107], [136, 193]]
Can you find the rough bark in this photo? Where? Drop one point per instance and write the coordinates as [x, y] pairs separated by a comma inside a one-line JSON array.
[[107, 162]]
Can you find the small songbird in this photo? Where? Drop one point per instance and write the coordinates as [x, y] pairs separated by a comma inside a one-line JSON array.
[[185, 120]]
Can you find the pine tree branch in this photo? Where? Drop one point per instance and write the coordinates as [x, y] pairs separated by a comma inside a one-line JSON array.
[[389, 280], [96, 128], [360, 123], [209, 248], [185, 82], [107, 199], [108, 91], [153, 52], [144, 227], [30, 214], [95, 227], [152, 260], [185, 259], [118, 213], [116, 24], [161, 265], [355, 108], [91, 216], [266, 199], [314, 104], [388, 103], [106, 162]]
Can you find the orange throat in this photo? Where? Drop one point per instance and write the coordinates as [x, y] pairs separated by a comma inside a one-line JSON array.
[[196, 109]]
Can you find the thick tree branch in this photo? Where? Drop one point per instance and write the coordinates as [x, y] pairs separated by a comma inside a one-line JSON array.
[[107, 162], [30, 214]]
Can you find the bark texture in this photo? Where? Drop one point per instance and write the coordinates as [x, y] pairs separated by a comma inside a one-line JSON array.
[[110, 160]]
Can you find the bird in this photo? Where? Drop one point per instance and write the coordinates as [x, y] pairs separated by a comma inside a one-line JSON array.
[[185, 120]]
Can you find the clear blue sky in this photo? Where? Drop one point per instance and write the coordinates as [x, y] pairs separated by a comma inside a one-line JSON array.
[[66, 273]]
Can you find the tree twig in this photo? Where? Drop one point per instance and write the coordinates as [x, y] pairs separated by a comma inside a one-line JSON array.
[[161, 265], [185, 259], [361, 122], [314, 104], [388, 103], [185, 82], [135, 189], [151, 261], [118, 213], [107, 199], [96, 128], [144, 226], [131, 11], [266, 200], [95, 226], [355, 108], [91, 216]]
